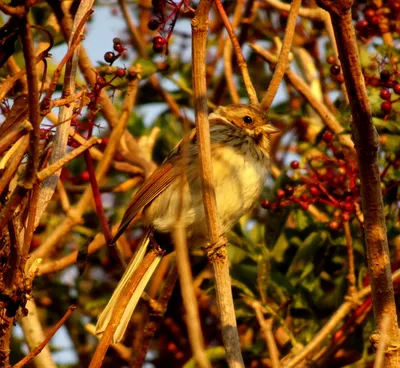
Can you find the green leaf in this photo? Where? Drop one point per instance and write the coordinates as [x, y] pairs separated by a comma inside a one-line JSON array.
[[147, 67], [303, 263]]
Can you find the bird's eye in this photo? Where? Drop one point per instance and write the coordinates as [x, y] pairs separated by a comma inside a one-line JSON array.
[[247, 119]]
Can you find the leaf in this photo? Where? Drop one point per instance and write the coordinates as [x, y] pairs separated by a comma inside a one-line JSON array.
[[302, 219], [147, 67], [303, 261]]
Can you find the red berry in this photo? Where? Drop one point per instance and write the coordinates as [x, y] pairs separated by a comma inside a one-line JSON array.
[[335, 69], [153, 24], [389, 84], [375, 20], [304, 197], [101, 81], [385, 94], [396, 88], [334, 225], [295, 165], [109, 57], [386, 107], [304, 206], [384, 75], [158, 44], [119, 48], [120, 73], [280, 193], [369, 13], [327, 137], [395, 6], [265, 204], [289, 190], [348, 207], [331, 59], [361, 25], [116, 40], [314, 191], [85, 176]]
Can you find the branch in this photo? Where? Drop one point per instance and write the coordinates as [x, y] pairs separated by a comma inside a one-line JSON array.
[[238, 52], [65, 112], [283, 61], [53, 168], [298, 83], [40, 347], [366, 142], [218, 258]]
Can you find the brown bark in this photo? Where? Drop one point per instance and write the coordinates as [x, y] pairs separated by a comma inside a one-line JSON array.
[[366, 142]]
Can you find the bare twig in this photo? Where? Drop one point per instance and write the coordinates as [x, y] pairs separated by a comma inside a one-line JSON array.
[[351, 277], [65, 113], [238, 52], [283, 60], [228, 70], [266, 329], [327, 117], [183, 264], [53, 168], [34, 336], [40, 347]]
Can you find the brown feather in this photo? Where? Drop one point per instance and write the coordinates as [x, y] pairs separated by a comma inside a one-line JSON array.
[[152, 187]]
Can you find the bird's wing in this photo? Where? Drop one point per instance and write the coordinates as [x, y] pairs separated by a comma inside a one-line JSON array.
[[158, 181]]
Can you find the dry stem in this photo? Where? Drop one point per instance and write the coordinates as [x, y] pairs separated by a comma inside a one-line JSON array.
[[238, 52], [219, 260], [40, 347], [283, 61]]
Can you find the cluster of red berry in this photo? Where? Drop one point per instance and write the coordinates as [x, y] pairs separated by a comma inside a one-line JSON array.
[[110, 56], [327, 180], [164, 23], [388, 84], [379, 20]]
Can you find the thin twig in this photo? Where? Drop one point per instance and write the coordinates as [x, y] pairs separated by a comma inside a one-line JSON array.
[[65, 112], [183, 264], [238, 52], [266, 328], [351, 276], [40, 347], [228, 70], [283, 60], [327, 117], [53, 168]]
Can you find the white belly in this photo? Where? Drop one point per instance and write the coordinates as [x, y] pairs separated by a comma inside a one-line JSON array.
[[238, 181]]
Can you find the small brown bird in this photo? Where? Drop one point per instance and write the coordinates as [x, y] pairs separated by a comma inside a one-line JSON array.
[[240, 145]]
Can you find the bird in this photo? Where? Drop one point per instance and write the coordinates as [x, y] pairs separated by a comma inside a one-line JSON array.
[[240, 147]]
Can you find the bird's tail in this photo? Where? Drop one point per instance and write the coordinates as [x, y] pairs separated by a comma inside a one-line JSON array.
[[105, 316]]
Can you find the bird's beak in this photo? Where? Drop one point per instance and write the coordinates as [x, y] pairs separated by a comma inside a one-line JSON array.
[[270, 129]]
